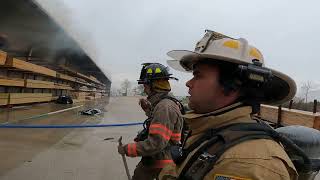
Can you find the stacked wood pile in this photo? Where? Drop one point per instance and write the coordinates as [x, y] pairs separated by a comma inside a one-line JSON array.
[[29, 83], [22, 81], [90, 97], [62, 86], [78, 96], [4, 98], [12, 82], [20, 98], [66, 77], [3, 57], [97, 95], [23, 65]]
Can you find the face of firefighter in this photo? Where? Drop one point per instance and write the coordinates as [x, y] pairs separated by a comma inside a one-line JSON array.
[[206, 93], [147, 89]]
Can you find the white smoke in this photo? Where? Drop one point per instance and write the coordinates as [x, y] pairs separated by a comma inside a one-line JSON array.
[[120, 35]]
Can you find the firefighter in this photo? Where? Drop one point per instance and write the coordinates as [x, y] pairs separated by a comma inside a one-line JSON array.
[[162, 128], [229, 83]]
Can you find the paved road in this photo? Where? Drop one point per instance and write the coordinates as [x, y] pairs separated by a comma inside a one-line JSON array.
[[50, 154]]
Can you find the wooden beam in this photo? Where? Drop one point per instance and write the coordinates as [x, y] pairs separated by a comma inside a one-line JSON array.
[[94, 79], [3, 57], [4, 98], [12, 82], [66, 77], [291, 116], [90, 78], [62, 86], [23, 65], [29, 83], [317, 123], [78, 96], [81, 81], [21, 98]]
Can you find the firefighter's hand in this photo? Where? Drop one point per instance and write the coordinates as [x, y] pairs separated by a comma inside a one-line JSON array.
[[121, 150], [145, 104]]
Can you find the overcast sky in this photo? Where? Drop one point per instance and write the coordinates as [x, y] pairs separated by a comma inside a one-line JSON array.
[[120, 35]]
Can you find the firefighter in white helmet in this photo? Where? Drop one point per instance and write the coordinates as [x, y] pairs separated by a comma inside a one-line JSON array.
[[229, 83]]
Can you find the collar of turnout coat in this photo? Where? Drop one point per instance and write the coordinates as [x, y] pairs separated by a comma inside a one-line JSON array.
[[156, 97], [235, 113]]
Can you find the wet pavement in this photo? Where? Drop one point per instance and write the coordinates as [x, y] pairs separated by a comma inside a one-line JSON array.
[[49, 154]]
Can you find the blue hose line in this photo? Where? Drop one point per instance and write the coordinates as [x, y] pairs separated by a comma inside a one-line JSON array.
[[68, 126]]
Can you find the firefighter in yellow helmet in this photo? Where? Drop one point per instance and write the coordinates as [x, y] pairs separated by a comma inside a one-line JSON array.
[[163, 127], [229, 83]]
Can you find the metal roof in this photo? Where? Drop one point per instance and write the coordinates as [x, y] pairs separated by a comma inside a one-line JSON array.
[[26, 31]]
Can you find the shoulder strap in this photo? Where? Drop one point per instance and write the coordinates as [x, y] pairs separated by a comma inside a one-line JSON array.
[[204, 159], [181, 107], [220, 140]]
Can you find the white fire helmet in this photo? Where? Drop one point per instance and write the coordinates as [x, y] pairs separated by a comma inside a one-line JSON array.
[[218, 47]]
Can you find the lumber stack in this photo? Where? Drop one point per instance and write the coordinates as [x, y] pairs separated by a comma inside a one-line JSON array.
[[85, 89], [66, 77], [80, 96], [62, 86], [90, 98], [4, 98], [81, 81], [94, 79], [29, 83], [23, 65], [81, 78], [35, 76], [93, 95], [3, 57], [54, 98], [21, 98], [97, 95], [12, 82]]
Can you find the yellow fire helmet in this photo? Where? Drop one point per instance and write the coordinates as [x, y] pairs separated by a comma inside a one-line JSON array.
[[218, 47]]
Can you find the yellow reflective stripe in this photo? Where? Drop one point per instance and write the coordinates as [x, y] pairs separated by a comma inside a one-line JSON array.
[[149, 71], [255, 53], [158, 70], [231, 44]]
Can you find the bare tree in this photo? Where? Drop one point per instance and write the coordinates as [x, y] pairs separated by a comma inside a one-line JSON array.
[[119, 92], [125, 86], [135, 91], [306, 87], [113, 92], [140, 90]]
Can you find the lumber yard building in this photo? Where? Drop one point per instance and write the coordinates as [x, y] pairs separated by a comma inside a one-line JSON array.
[[39, 61]]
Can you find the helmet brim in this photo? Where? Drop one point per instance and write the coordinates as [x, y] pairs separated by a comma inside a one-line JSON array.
[[281, 89]]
